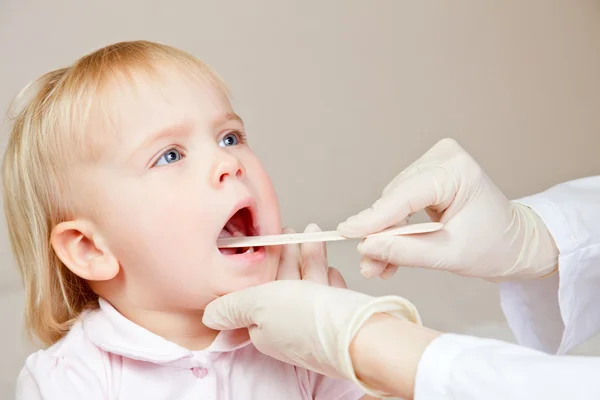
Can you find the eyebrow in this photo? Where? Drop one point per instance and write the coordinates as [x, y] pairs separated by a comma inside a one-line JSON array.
[[183, 128], [230, 116]]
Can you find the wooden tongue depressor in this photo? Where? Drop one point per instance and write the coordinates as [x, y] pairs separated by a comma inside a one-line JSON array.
[[327, 236]]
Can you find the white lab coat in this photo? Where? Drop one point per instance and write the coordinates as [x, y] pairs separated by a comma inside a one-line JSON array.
[[551, 315]]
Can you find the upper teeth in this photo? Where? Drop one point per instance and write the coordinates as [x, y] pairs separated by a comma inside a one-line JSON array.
[[233, 230]]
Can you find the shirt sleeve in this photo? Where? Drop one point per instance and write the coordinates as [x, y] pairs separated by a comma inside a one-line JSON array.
[[27, 387], [326, 388], [53, 377], [562, 311], [469, 368]]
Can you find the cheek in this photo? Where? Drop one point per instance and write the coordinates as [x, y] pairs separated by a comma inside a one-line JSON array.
[[270, 219], [163, 249], [267, 199], [158, 228]]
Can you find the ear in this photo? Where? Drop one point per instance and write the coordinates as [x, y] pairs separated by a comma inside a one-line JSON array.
[[80, 247]]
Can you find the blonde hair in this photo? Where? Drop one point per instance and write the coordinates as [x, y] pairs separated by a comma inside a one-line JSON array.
[[49, 130]]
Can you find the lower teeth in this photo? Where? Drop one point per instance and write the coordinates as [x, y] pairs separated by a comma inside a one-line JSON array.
[[245, 250]]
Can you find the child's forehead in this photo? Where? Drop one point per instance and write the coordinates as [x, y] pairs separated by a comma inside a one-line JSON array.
[[141, 103]]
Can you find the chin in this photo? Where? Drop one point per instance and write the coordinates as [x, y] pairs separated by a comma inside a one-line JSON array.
[[240, 285], [264, 274]]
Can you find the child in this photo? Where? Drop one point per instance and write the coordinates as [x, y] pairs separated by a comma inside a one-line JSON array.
[[121, 172]]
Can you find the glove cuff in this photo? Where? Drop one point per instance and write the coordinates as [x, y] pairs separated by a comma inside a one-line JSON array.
[[395, 306]]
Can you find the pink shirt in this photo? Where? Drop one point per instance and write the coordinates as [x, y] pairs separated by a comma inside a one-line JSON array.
[[106, 356]]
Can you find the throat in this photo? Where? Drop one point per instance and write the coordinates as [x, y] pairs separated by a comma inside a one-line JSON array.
[[196, 342], [182, 328]]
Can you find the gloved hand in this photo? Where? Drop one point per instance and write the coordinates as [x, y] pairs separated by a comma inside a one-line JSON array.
[[484, 234], [308, 261], [305, 323]]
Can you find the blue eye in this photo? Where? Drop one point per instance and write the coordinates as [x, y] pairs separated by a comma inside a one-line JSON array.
[[168, 157], [231, 139]]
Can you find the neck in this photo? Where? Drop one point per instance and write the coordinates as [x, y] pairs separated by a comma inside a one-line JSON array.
[[183, 327]]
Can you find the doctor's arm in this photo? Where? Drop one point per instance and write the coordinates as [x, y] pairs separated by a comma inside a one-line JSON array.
[[406, 359], [380, 345], [561, 311]]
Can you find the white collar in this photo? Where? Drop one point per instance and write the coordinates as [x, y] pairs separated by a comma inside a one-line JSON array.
[[112, 332]]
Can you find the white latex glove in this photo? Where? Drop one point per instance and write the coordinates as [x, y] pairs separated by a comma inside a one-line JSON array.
[[305, 323], [484, 234], [308, 261]]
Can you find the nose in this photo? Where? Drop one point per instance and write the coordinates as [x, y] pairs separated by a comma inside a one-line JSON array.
[[226, 166]]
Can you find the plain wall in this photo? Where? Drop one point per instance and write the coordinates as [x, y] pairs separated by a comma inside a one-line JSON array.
[[339, 96]]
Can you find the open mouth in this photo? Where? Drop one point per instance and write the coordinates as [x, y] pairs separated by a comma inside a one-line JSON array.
[[240, 224]]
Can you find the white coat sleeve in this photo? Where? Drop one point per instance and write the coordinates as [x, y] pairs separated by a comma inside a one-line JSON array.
[[469, 368], [562, 311]]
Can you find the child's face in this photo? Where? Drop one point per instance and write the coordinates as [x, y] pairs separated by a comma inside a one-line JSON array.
[[171, 179]]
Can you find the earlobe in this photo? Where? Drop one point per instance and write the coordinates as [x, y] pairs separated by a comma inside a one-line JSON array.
[[81, 249]]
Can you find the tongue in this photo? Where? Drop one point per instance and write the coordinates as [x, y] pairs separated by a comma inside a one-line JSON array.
[[227, 252], [231, 251]]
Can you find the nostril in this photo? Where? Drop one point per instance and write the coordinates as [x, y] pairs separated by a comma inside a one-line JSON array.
[[238, 174]]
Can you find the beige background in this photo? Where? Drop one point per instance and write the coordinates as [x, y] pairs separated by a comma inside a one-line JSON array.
[[339, 96]]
